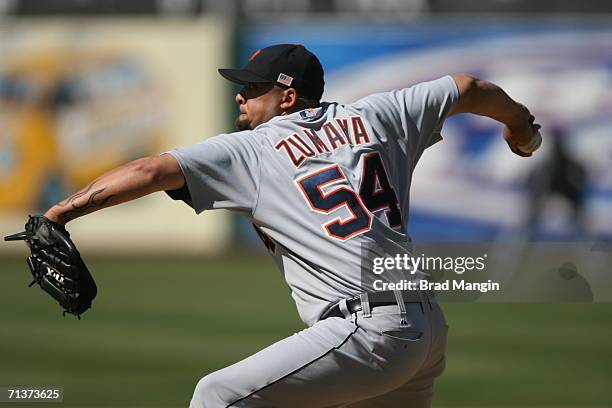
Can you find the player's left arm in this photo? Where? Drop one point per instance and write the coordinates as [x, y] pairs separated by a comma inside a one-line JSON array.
[[484, 98], [129, 182]]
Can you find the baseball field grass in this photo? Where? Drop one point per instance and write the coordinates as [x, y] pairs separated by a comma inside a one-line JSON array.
[[158, 326]]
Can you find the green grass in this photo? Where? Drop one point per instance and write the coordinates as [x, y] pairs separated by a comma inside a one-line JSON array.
[[158, 326]]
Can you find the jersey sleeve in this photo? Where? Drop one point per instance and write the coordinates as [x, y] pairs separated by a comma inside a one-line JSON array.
[[220, 172], [418, 111]]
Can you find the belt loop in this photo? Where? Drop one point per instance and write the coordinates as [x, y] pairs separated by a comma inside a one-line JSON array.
[[344, 308], [402, 307], [365, 304]]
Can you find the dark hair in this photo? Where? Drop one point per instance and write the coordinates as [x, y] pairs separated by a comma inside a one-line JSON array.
[[304, 102]]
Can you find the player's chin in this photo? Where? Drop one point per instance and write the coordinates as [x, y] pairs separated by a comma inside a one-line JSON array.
[[242, 123]]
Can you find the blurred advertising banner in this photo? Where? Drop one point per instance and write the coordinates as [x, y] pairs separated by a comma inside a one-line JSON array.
[[469, 186], [80, 97]]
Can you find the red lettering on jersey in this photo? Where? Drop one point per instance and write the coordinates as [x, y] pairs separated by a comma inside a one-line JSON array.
[[304, 148], [316, 141], [333, 135], [296, 160], [343, 123], [359, 131]]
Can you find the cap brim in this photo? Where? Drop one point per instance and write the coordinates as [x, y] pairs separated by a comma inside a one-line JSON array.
[[241, 76]]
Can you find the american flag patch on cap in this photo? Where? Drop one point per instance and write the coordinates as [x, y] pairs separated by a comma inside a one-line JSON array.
[[284, 79]]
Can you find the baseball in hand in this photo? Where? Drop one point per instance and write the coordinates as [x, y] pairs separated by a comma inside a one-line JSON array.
[[533, 145]]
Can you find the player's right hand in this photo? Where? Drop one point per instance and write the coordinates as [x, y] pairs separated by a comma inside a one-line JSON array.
[[520, 135]]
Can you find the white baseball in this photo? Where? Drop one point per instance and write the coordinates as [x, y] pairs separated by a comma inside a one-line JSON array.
[[533, 145]]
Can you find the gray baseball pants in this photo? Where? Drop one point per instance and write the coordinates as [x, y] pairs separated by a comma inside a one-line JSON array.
[[352, 362]]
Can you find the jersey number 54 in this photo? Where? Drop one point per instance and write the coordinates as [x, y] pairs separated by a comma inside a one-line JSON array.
[[375, 193]]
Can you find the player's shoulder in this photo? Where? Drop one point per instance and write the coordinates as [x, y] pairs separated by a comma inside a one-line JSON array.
[[236, 141], [400, 97]]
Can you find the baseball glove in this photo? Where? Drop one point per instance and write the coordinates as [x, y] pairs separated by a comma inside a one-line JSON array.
[[56, 264]]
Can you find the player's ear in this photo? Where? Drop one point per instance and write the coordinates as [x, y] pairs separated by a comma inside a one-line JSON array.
[[289, 99]]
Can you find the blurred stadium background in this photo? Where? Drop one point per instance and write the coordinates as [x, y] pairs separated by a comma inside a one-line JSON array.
[[86, 85]]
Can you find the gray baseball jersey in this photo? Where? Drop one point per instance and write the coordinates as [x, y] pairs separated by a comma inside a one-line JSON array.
[[321, 183]]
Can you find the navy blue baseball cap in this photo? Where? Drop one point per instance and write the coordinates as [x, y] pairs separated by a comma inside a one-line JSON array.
[[286, 65]]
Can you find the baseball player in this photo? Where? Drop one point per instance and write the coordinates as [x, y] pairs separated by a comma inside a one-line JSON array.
[[321, 182]]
